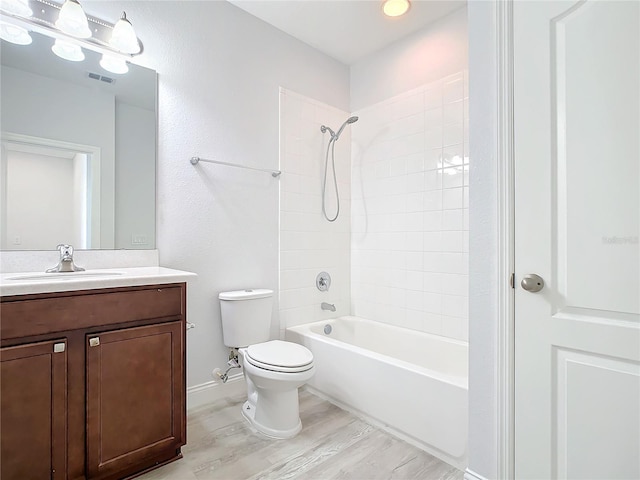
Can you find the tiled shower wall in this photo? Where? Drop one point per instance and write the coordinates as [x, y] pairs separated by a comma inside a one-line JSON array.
[[310, 244], [410, 198]]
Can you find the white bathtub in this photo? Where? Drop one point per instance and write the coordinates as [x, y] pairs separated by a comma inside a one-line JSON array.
[[413, 383]]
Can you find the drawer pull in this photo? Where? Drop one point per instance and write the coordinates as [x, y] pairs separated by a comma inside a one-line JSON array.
[[94, 342]]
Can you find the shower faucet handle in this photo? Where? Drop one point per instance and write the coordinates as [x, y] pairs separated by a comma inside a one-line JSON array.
[[323, 281]]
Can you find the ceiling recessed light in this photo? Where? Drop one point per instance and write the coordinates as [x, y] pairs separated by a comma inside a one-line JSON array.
[[395, 8]]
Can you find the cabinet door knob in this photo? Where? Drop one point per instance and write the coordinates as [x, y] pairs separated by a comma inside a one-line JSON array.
[[94, 342]]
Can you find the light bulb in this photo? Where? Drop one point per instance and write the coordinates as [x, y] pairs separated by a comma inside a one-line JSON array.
[[395, 8], [73, 21], [14, 34], [16, 7], [68, 51], [113, 64], [123, 37]]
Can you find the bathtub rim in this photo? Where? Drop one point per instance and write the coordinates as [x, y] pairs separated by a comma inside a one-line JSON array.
[[454, 380]]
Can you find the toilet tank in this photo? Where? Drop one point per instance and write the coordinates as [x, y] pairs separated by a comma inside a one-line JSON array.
[[246, 316]]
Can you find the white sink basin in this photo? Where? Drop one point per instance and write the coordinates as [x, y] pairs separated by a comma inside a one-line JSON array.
[[63, 276]]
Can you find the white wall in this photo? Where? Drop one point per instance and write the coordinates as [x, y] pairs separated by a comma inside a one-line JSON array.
[[410, 209], [68, 117], [483, 245], [309, 244], [434, 52], [220, 70]]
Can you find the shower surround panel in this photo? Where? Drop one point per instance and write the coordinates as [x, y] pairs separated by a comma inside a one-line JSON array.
[[410, 195], [309, 243]]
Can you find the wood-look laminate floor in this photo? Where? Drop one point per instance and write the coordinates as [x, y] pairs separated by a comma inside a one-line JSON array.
[[333, 444]]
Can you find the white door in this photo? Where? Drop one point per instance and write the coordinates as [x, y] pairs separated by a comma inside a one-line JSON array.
[[577, 168]]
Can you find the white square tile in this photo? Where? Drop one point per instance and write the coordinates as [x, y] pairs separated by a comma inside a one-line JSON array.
[[433, 138], [433, 180], [452, 198], [453, 134], [452, 241], [453, 113], [415, 261], [433, 221], [432, 282], [433, 118], [432, 302], [453, 91], [433, 98], [455, 284], [432, 158], [451, 177], [432, 241], [414, 300], [432, 323], [415, 162], [433, 199]]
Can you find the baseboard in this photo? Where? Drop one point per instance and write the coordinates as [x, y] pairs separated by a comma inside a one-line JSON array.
[[471, 475], [209, 392]]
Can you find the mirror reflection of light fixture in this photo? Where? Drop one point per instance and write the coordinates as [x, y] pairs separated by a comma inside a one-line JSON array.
[[16, 7], [73, 21], [124, 37], [395, 8], [14, 34], [67, 50], [73, 31], [113, 64]]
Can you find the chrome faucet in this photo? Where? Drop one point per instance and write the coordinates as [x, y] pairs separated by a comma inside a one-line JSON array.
[[66, 261], [328, 306]]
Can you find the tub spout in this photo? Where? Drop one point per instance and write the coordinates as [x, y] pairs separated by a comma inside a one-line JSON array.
[[328, 306]]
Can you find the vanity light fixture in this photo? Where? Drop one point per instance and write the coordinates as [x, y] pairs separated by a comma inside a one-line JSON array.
[[395, 8], [67, 50], [113, 64], [123, 37], [73, 21], [14, 34], [16, 7], [72, 30]]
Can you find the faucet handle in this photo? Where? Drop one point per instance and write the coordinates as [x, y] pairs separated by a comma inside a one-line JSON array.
[[66, 251]]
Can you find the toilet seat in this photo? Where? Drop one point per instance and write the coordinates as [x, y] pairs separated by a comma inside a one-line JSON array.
[[279, 356]]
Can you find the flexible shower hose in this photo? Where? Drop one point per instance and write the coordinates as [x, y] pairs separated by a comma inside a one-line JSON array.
[[331, 145]]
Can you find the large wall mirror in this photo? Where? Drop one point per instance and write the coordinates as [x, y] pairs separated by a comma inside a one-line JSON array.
[[78, 151]]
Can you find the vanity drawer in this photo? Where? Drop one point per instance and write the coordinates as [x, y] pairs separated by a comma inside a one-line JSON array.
[[24, 316]]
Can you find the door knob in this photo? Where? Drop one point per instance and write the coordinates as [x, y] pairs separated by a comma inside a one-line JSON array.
[[532, 283]]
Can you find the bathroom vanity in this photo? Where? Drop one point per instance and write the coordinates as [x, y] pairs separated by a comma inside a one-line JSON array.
[[92, 373]]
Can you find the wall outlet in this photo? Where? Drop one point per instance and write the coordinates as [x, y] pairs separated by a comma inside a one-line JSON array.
[[138, 239]]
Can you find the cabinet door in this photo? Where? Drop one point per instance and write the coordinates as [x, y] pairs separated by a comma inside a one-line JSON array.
[[33, 409], [135, 396]]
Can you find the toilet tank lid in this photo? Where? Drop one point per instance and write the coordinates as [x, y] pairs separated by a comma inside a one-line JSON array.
[[247, 294]]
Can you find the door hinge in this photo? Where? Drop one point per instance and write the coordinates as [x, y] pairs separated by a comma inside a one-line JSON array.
[[512, 280], [94, 342]]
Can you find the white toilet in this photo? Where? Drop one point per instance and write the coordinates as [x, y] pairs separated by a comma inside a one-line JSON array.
[[273, 369]]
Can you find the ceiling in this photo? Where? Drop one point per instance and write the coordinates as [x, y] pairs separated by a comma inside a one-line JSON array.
[[347, 30]]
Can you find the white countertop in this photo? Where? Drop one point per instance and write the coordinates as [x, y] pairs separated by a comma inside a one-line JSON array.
[[39, 282]]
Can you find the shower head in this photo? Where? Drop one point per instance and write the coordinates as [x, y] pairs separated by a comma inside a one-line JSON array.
[[347, 122]]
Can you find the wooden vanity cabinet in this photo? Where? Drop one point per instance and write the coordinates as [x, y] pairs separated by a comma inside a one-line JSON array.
[[33, 416], [104, 400]]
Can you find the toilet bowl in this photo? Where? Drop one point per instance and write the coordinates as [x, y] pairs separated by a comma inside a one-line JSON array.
[[274, 371]]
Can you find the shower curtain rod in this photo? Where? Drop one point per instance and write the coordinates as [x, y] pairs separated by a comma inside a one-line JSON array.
[[196, 160]]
